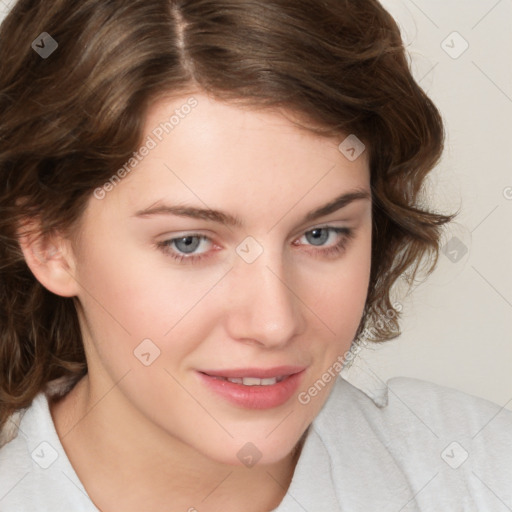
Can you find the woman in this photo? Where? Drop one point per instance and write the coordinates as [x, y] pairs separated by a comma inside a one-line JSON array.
[[204, 207]]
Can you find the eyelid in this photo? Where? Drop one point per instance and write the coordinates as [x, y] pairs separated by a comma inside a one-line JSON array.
[[335, 224], [345, 234], [203, 233]]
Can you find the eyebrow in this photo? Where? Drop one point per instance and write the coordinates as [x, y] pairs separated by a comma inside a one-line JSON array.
[[227, 219]]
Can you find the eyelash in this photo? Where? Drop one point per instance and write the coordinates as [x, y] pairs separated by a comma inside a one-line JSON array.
[[331, 251]]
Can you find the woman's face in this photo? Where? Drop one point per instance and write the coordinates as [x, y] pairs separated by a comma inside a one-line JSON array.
[[170, 298]]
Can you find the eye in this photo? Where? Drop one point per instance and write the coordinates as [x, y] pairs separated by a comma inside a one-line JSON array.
[[183, 249], [185, 245], [318, 236]]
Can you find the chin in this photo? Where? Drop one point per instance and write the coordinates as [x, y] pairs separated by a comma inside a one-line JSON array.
[[250, 454]]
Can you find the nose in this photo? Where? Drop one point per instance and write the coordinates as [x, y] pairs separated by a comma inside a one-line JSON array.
[[264, 306]]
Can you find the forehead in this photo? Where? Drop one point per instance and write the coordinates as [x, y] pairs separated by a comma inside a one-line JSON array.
[[232, 134], [217, 154], [223, 126]]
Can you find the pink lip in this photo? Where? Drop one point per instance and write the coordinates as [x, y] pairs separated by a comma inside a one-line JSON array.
[[255, 397]]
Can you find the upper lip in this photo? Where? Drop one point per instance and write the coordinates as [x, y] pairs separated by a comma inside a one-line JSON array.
[[259, 373]]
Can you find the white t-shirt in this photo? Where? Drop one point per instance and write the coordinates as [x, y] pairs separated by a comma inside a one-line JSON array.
[[410, 446]]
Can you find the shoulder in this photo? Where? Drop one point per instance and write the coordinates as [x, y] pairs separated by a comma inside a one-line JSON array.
[[409, 410], [33, 464], [416, 435], [16, 462], [403, 399], [38, 413], [448, 411], [436, 395]]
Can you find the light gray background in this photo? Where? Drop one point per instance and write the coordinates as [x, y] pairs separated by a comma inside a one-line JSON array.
[[457, 324]]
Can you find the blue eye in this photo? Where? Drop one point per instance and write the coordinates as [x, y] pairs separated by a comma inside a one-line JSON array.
[[185, 245], [321, 234], [182, 248]]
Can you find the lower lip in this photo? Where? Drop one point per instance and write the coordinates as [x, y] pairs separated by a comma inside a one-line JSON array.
[[255, 397]]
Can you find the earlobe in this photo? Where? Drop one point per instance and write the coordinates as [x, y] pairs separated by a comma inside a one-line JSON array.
[[51, 261]]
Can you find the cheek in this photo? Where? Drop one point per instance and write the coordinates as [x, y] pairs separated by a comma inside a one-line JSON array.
[[127, 299], [136, 288], [338, 298], [340, 291]]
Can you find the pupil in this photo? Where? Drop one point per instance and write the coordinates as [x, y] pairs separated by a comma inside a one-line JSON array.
[[186, 244], [318, 236]]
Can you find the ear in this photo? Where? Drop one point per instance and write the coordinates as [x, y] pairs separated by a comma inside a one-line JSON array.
[[51, 260]]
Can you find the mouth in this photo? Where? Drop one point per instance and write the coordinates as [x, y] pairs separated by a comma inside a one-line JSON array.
[[255, 376], [251, 381], [254, 388]]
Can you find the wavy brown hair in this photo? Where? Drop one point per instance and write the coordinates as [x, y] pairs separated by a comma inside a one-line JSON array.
[[68, 121]]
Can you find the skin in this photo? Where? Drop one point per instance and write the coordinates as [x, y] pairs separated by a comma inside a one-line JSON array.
[[144, 437]]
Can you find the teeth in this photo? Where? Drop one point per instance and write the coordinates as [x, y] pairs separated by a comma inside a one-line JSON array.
[[254, 381]]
